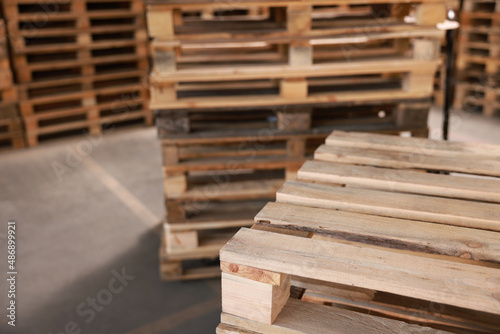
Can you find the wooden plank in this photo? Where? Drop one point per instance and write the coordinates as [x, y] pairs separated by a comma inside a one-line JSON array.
[[469, 164], [410, 145], [383, 231], [454, 283], [402, 180], [298, 317], [407, 206], [391, 65]]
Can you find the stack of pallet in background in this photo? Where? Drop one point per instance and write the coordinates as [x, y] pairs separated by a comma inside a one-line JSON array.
[[478, 61], [345, 249], [81, 64], [11, 129], [245, 91]]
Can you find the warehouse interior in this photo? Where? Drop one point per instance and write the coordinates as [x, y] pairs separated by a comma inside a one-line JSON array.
[[99, 114]]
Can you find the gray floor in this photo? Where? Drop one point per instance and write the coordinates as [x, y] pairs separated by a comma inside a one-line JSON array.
[[86, 209]]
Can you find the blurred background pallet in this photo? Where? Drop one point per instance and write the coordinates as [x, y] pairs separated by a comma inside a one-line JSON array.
[[11, 125], [81, 69], [478, 62]]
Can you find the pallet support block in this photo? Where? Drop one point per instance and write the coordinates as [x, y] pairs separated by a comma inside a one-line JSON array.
[[174, 184], [252, 295], [164, 60], [293, 88], [173, 123], [295, 119], [164, 93], [429, 14], [160, 22], [419, 82]]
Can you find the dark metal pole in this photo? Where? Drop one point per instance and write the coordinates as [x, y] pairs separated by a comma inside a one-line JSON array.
[[450, 37]]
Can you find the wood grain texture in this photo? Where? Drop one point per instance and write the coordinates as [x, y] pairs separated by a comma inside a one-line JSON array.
[[397, 205], [387, 232], [437, 280]]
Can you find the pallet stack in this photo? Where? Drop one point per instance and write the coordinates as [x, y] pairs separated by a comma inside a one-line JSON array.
[[478, 61], [80, 64], [245, 91], [376, 236], [11, 128]]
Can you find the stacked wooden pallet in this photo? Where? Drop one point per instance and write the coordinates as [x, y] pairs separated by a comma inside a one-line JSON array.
[[478, 59], [294, 54], [11, 129], [245, 91], [221, 167], [368, 241], [81, 64]]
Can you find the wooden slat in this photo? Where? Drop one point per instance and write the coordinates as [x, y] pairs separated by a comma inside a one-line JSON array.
[[397, 205], [395, 65], [449, 282], [411, 145], [302, 317], [388, 232], [402, 180], [468, 164]]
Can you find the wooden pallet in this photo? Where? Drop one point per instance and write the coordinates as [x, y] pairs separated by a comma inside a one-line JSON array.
[[345, 248], [215, 184], [58, 64], [294, 57], [86, 104], [478, 97]]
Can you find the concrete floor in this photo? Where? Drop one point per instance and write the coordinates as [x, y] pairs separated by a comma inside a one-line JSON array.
[[86, 209]]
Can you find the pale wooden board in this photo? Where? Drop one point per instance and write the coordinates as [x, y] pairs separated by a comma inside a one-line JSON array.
[[387, 158], [450, 282], [307, 318], [387, 232], [394, 65], [411, 145], [402, 180], [397, 205]]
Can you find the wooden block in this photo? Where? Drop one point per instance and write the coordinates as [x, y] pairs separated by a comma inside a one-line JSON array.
[[296, 147], [430, 13], [426, 49], [160, 22], [180, 240], [291, 174], [418, 82], [163, 94], [174, 184], [298, 19], [252, 299], [164, 61], [293, 119], [174, 122], [293, 88], [170, 154], [300, 55], [411, 118]]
